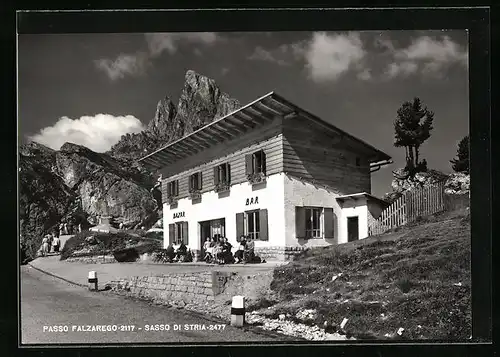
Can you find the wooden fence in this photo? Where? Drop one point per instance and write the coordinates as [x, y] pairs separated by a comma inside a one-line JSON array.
[[412, 204]]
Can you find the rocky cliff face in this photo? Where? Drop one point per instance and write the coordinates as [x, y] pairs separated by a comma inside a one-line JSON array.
[[77, 184]]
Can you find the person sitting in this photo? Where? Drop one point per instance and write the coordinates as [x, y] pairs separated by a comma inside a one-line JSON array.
[[170, 253], [181, 253], [238, 255], [207, 248], [248, 255], [218, 251], [227, 255]]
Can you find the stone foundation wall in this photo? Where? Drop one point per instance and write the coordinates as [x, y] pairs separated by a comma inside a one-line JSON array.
[[278, 253], [186, 287]]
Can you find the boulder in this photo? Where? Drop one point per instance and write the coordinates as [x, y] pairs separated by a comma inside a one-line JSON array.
[[457, 184]]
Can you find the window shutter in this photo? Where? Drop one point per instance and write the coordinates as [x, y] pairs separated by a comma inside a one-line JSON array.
[[300, 222], [177, 187], [248, 164], [200, 181], [171, 233], [240, 225], [264, 162], [263, 234], [328, 222], [216, 175], [185, 233], [228, 173]]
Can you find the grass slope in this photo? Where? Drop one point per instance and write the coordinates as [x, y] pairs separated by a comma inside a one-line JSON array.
[[401, 279]]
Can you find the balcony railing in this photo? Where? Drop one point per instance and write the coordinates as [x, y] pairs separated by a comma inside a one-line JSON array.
[[256, 178], [222, 186], [194, 194], [171, 200]]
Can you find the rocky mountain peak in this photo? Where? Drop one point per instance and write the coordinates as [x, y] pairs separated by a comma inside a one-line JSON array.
[[161, 124], [201, 102]]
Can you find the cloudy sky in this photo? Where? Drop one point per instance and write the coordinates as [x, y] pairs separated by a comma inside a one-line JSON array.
[[92, 88]]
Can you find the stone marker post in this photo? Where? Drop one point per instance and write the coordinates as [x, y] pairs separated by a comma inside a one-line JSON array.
[[92, 280], [238, 311]]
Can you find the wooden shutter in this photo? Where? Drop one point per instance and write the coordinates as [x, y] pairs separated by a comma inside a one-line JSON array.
[[216, 175], [200, 181], [300, 222], [240, 225], [263, 234], [263, 162], [228, 173], [185, 233], [177, 187], [171, 233], [328, 222], [248, 164]]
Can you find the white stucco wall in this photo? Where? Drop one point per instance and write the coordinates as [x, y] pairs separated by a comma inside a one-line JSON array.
[[360, 210], [298, 193], [225, 205]]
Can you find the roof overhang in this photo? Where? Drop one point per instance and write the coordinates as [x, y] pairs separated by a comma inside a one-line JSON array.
[[257, 113], [361, 195]]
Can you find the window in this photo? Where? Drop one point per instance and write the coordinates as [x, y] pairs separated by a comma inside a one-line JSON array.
[[195, 183], [173, 188], [313, 222], [222, 177], [223, 173], [358, 161], [252, 224], [178, 233], [255, 167]]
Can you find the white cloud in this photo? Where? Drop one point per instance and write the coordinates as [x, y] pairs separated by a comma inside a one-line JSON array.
[[160, 42], [330, 56], [157, 43], [365, 74], [98, 132], [124, 65], [261, 54], [425, 55]]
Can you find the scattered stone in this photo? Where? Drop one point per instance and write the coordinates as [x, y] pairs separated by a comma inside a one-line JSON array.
[[400, 331], [344, 322], [282, 317], [335, 277], [458, 284]]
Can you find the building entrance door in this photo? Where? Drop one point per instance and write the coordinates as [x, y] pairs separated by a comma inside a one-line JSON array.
[[210, 229], [352, 229]]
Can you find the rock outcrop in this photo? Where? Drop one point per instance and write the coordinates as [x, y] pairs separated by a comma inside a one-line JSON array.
[[44, 198], [457, 184], [105, 188]]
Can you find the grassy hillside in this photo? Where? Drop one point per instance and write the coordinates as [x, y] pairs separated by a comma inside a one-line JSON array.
[[417, 278]]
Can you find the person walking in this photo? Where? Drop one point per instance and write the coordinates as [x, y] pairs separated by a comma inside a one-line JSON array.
[[45, 245], [56, 242]]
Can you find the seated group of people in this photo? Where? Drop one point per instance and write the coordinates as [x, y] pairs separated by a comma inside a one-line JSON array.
[[219, 250], [181, 254]]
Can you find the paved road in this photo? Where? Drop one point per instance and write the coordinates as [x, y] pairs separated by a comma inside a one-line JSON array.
[[49, 302]]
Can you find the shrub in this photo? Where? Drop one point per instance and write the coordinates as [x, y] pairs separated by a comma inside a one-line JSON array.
[[107, 242], [163, 256], [126, 255], [404, 284]]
